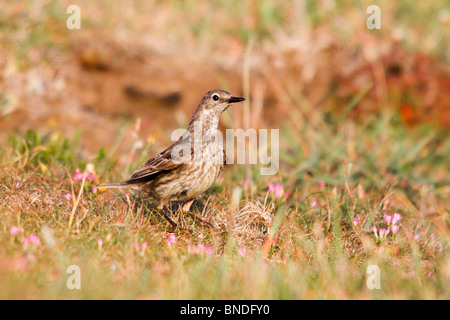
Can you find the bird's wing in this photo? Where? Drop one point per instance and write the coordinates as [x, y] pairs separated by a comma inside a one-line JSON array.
[[167, 160]]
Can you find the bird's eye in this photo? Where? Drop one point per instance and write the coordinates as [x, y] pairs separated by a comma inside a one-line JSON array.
[[215, 97]]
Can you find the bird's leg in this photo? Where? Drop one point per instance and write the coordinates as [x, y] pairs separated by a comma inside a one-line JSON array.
[[160, 208], [186, 208]]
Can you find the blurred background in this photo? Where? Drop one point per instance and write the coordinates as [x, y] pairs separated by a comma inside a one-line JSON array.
[[154, 60]]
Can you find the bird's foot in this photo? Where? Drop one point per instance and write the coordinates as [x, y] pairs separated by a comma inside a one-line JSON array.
[[173, 225], [165, 216], [208, 224]]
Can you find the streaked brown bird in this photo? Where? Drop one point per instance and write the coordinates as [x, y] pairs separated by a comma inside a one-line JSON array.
[[189, 167]]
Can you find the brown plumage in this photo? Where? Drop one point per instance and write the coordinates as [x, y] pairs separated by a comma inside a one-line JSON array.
[[190, 166]]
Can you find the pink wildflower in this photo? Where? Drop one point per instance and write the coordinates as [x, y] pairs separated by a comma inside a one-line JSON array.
[[86, 175], [200, 249], [242, 251], [275, 240], [379, 250], [387, 218], [397, 217], [277, 189], [384, 232], [68, 196], [355, 222], [77, 175], [171, 238], [100, 243], [140, 248], [32, 240], [394, 228], [14, 231], [361, 193]]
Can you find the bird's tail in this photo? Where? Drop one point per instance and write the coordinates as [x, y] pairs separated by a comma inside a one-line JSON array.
[[117, 185]]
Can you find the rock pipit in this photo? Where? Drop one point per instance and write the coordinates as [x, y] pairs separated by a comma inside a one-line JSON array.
[[189, 167]]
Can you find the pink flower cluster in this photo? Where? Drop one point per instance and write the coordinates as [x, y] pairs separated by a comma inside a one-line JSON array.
[[171, 239], [392, 226], [200, 249], [79, 176], [392, 221], [140, 248], [424, 236], [32, 240], [277, 189]]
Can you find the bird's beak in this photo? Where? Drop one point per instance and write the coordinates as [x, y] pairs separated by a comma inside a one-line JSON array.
[[235, 99]]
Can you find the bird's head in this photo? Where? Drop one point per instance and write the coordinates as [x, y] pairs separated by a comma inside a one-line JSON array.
[[213, 104], [218, 101]]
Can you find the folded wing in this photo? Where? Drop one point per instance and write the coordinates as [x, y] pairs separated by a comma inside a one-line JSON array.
[[168, 160]]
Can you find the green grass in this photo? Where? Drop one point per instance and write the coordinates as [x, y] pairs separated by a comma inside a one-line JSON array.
[[372, 169]]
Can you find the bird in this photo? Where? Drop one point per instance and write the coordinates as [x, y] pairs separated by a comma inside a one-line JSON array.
[[190, 166]]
